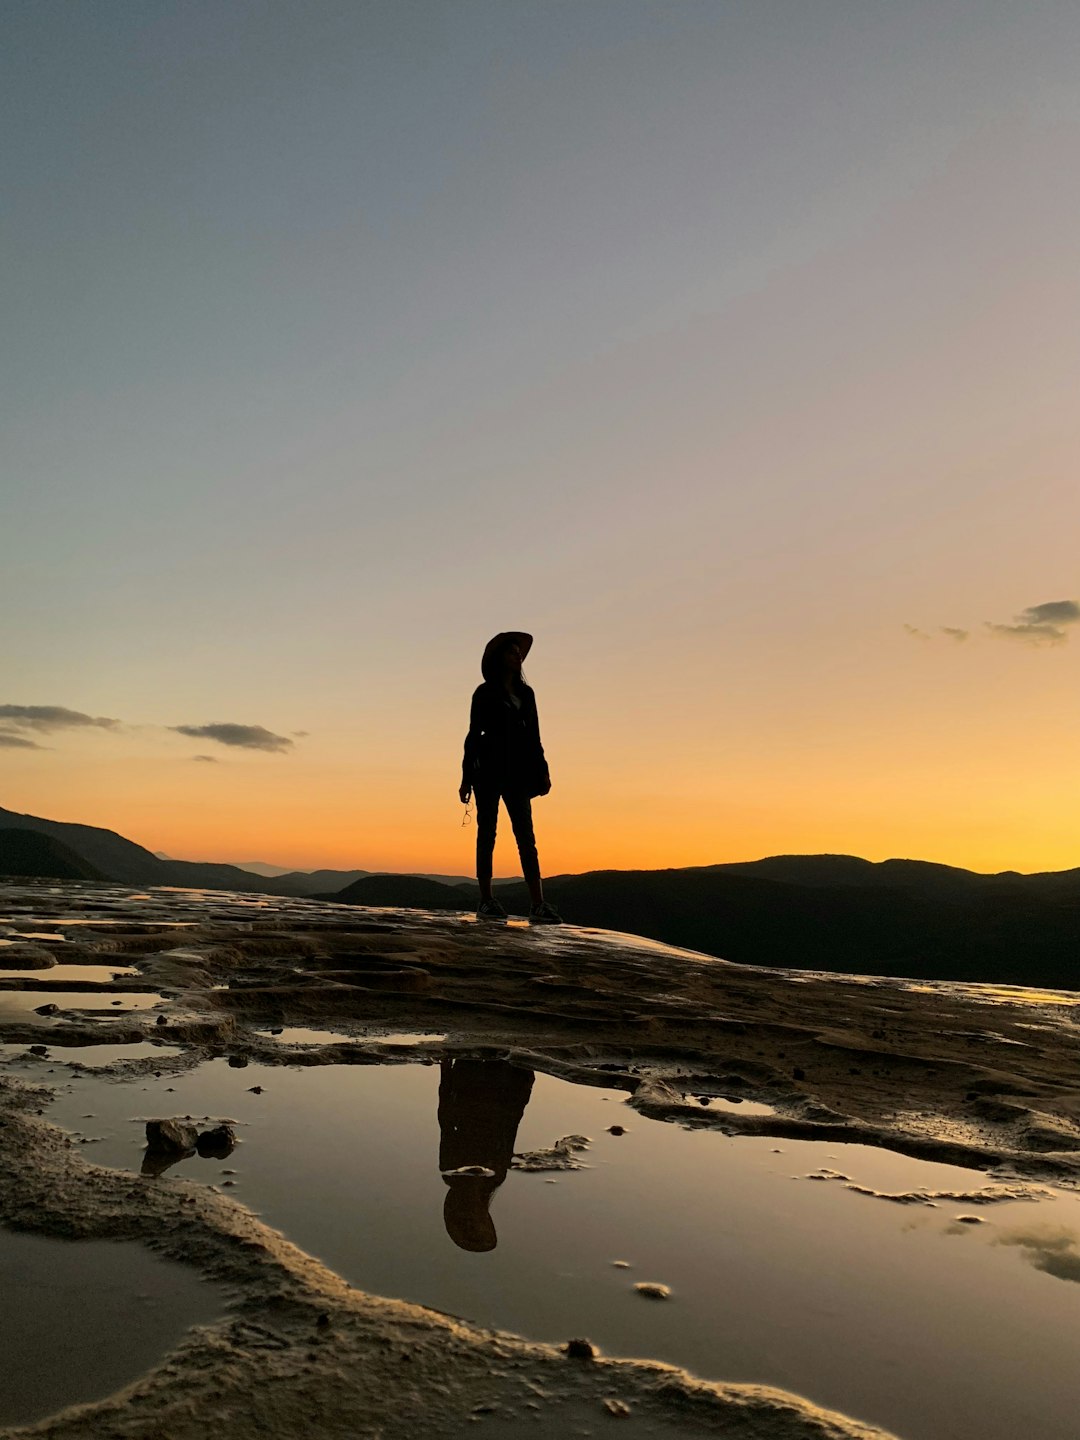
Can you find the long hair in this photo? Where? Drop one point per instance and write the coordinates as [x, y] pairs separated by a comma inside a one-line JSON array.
[[491, 662]]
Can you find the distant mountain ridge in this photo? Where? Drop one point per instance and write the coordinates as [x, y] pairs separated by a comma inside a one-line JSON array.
[[903, 918], [829, 912], [33, 853], [416, 892], [122, 860], [111, 854], [323, 879]]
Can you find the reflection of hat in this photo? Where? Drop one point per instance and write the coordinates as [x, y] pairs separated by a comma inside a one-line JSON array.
[[497, 644], [465, 1213]]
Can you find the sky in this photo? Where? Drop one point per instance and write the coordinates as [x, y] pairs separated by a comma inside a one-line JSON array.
[[729, 347]]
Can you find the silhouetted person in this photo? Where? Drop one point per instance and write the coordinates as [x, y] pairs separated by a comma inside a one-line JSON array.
[[481, 1103], [504, 759]]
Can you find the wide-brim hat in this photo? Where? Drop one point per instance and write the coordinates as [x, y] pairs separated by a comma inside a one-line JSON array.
[[498, 643]]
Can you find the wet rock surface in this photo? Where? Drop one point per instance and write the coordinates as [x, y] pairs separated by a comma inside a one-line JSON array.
[[958, 1073], [888, 1064], [563, 1155]]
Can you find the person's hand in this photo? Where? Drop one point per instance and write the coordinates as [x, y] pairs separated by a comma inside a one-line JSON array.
[[465, 793]]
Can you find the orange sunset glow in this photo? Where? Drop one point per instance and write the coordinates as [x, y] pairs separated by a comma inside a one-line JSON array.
[[759, 416]]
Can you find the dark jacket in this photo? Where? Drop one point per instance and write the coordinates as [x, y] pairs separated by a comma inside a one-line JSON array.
[[503, 745]]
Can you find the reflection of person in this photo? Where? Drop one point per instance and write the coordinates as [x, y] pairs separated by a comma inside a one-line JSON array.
[[481, 1103], [504, 758]]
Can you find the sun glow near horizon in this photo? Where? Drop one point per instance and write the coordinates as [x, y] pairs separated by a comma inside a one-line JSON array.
[[905, 781]]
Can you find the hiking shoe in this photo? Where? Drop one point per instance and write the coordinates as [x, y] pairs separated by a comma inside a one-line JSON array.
[[490, 910], [545, 914]]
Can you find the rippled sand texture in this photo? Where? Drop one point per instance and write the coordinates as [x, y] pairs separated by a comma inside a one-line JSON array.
[[988, 1079]]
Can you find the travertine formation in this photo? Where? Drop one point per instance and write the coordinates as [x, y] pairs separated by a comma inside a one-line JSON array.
[[983, 1078]]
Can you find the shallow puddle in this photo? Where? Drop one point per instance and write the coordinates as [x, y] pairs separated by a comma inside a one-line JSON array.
[[22, 1005], [904, 1315], [302, 1035], [735, 1106], [65, 974], [81, 1319]]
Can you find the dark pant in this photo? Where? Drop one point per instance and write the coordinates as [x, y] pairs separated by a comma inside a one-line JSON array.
[[519, 808]]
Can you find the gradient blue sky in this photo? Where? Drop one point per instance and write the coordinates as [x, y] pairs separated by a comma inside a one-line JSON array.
[[713, 343]]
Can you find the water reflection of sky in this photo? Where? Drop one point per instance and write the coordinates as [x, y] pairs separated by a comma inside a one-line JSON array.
[[22, 1005], [99, 974], [306, 1035], [1054, 1251], [896, 1314]]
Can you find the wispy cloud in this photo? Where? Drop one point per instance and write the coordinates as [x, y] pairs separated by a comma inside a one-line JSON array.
[[19, 723], [243, 737], [18, 742], [1054, 612], [1039, 624], [53, 717]]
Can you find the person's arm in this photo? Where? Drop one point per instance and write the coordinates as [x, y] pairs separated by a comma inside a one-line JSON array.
[[472, 745], [542, 764]]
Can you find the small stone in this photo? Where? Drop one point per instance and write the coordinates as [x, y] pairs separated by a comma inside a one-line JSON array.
[[653, 1290], [170, 1137], [621, 1264], [162, 1020], [616, 1130], [323, 1321], [39, 1049], [618, 1408], [255, 1090], [238, 1062], [580, 1349], [218, 1143], [49, 1009], [970, 1220]]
